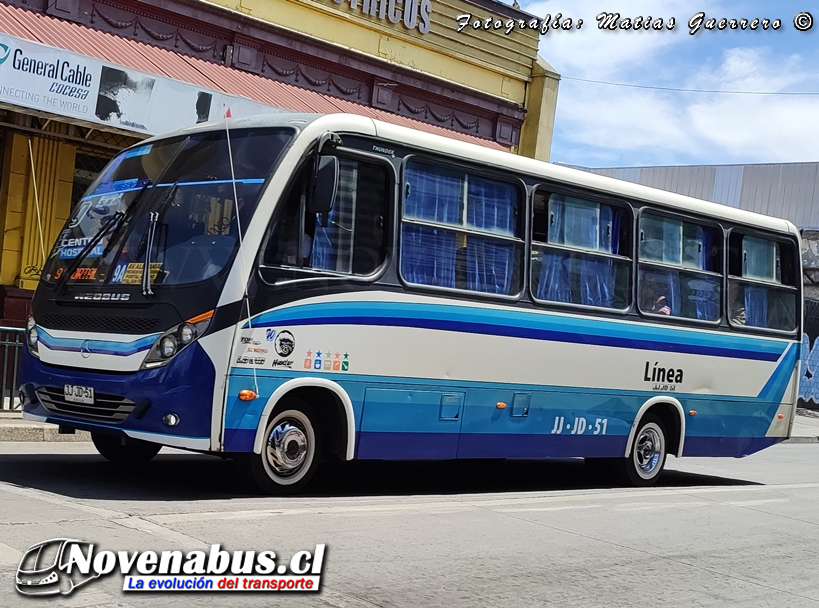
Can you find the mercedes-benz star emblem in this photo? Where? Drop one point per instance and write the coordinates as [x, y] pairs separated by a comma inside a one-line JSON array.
[[85, 349]]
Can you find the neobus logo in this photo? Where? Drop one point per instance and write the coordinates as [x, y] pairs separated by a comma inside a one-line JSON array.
[[107, 297]]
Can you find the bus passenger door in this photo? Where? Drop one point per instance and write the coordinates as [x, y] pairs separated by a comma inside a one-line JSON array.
[[409, 424]]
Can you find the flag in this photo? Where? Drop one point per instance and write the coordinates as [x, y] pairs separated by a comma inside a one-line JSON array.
[[228, 114]]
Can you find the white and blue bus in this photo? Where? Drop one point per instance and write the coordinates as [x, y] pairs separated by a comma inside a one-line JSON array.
[[292, 288]]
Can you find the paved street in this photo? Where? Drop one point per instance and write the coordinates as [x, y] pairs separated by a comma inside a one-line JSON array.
[[716, 533]]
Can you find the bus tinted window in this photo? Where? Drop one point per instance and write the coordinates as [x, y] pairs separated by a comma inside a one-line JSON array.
[[680, 270], [580, 252], [762, 290], [198, 192], [461, 231], [350, 239]]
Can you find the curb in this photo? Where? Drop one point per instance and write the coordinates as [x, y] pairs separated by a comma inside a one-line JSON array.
[[808, 439], [14, 428], [37, 432]]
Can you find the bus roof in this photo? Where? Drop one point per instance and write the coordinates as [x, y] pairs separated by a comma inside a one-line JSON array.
[[436, 144]]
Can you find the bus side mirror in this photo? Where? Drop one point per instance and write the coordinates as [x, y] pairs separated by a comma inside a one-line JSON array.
[[325, 185]]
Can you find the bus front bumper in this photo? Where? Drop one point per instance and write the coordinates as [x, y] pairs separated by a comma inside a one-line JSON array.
[[137, 405]]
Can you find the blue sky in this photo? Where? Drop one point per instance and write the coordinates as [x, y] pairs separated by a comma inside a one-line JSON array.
[[611, 126]]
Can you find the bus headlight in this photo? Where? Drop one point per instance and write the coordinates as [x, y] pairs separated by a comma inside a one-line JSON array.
[[32, 338], [167, 346], [187, 333], [173, 341]]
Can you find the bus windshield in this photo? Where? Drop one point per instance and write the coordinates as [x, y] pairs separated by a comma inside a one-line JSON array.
[[180, 196]]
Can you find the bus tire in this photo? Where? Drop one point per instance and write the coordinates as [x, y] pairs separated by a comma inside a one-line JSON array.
[[646, 461], [290, 452], [132, 451]]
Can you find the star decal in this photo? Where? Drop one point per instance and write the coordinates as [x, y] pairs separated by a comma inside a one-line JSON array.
[[346, 356], [309, 353], [318, 354], [338, 355]]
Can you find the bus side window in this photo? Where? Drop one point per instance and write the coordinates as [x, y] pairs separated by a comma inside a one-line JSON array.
[[680, 268], [282, 247], [762, 289], [350, 239], [461, 231], [580, 252]]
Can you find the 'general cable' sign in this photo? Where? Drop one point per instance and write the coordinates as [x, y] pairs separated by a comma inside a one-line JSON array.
[[51, 79], [412, 12]]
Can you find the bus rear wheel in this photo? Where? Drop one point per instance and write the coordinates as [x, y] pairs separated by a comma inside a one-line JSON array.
[[290, 451], [130, 451], [648, 453], [645, 462]]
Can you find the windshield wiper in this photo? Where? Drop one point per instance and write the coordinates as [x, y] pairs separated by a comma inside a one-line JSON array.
[[154, 219], [111, 225], [125, 215]]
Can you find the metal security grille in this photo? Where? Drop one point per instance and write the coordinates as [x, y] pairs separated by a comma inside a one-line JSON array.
[[86, 169], [92, 156], [11, 344], [114, 140]]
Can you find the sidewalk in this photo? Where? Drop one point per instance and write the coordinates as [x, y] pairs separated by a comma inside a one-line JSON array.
[[805, 427], [14, 428]]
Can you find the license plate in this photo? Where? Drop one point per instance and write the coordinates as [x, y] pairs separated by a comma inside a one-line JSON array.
[[79, 394]]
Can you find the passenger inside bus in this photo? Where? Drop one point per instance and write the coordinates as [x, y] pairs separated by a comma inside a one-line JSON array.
[[654, 299], [737, 303]]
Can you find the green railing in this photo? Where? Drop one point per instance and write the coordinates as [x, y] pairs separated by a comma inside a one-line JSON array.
[[12, 340]]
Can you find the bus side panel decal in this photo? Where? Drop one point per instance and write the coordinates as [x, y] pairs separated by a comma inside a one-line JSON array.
[[774, 389], [530, 325]]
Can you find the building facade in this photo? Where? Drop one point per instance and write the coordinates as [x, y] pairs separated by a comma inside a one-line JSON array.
[[82, 79]]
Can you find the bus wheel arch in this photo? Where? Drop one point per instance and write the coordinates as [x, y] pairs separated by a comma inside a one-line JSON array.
[[333, 409], [670, 411]]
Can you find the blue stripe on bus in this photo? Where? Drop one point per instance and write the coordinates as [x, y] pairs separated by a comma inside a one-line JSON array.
[[239, 440], [776, 385], [101, 347], [108, 189], [446, 446], [419, 446], [520, 324], [724, 424]]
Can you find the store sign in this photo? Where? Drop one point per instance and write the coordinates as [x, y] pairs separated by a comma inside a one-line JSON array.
[[412, 13], [53, 80]]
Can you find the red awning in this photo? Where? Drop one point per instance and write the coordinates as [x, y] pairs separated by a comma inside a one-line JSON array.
[[145, 58]]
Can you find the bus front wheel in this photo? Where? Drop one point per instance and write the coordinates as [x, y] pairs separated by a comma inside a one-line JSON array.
[[130, 451], [290, 452]]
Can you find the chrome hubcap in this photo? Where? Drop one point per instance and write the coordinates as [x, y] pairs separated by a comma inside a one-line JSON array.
[[648, 451], [287, 447]]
